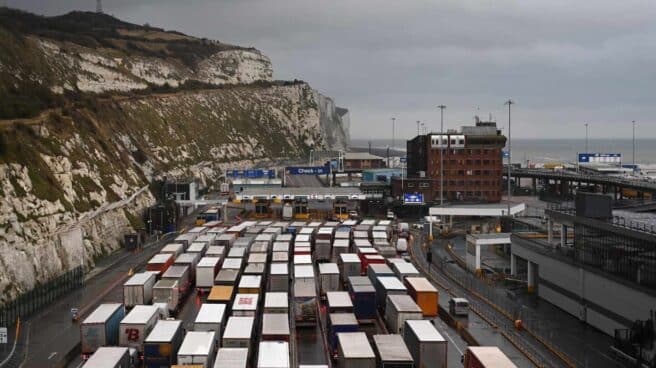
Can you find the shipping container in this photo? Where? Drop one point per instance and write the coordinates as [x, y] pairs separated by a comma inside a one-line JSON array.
[[221, 294], [186, 239], [211, 317], [238, 332], [279, 277], [162, 344], [231, 358], [226, 240], [349, 265], [273, 354], [209, 238], [364, 302], [358, 280], [188, 259], [370, 259], [322, 250], [267, 237], [198, 230], [355, 351], [226, 277], [182, 275], [486, 357], [302, 249], [391, 352], [250, 284], [339, 302], [377, 270], [257, 269], [198, 347], [244, 242], [359, 234], [281, 246], [245, 305], [109, 357], [398, 309], [160, 262], [387, 285], [136, 325], [302, 259], [257, 258], [340, 322], [216, 251], [328, 278], [305, 303], [196, 247], [424, 294], [340, 246], [386, 251], [232, 264], [427, 347], [237, 253], [280, 257], [303, 273], [286, 237], [173, 248], [405, 269], [276, 302], [167, 291], [275, 326], [139, 289], [101, 327], [206, 271]]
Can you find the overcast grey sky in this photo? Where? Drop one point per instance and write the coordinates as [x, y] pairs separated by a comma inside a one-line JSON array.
[[564, 62]]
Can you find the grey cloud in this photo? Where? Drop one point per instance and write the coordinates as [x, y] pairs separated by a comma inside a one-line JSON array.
[[564, 62]]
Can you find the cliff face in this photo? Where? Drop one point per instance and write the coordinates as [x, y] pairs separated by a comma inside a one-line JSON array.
[[88, 125]]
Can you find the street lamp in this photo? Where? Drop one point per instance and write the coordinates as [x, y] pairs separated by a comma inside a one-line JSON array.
[[633, 123], [441, 107], [393, 133], [586, 137], [509, 103], [418, 127]]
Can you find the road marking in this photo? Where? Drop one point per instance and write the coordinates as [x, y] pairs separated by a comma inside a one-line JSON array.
[[449, 337], [52, 355]]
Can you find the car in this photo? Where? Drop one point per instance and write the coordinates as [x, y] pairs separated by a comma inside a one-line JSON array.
[[391, 215]]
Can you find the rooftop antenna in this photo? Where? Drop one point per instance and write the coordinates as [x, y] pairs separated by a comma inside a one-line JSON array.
[[99, 6]]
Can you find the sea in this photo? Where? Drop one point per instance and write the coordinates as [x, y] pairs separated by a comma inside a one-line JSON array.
[[556, 150]]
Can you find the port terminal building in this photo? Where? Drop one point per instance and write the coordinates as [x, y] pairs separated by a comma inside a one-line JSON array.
[[596, 263]]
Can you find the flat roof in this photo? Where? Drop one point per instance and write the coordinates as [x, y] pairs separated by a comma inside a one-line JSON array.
[[103, 312], [424, 330], [210, 313], [491, 356], [355, 345], [276, 299], [197, 343], [392, 348], [140, 314], [164, 331], [477, 210]]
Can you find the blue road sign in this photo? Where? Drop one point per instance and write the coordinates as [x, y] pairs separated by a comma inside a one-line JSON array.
[[413, 198], [307, 170], [613, 158]]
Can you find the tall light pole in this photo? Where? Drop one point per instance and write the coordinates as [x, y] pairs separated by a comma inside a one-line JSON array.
[[441, 107], [586, 138], [418, 127], [633, 122], [509, 103], [393, 133]]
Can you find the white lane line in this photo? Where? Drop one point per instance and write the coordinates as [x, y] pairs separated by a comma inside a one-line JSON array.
[[449, 337]]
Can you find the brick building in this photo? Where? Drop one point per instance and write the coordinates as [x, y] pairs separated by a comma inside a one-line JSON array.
[[472, 165], [362, 160]]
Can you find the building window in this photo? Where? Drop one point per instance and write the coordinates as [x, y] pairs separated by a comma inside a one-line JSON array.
[[411, 185], [423, 185], [469, 172]]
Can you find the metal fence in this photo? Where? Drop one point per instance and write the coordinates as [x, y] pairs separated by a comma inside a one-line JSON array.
[[27, 304]]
